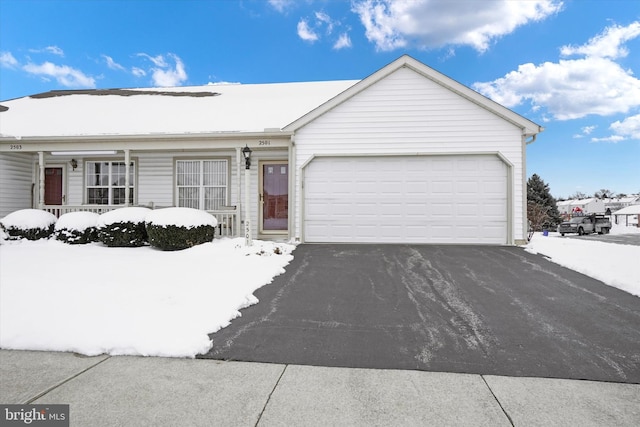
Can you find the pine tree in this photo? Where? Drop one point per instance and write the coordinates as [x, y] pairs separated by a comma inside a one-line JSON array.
[[541, 206]]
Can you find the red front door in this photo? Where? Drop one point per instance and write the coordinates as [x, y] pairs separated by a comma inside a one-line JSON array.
[[53, 186], [275, 196]]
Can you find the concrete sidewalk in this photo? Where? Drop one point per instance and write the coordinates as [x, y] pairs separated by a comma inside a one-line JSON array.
[[137, 391]]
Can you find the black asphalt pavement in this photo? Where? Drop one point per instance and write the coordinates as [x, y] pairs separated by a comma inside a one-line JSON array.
[[467, 309], [620, 239]]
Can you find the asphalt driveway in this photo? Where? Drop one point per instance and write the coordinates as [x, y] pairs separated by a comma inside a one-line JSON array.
[[468, 309]]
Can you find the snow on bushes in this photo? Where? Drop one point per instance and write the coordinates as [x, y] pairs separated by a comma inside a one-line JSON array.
[[124, 227], [173, 229], [31, 224], [77, 227]]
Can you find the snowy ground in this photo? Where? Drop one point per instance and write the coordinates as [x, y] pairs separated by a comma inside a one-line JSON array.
[[92, 299], [614, 264]]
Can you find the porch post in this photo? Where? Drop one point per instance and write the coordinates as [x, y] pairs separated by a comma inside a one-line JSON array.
[[127, 160], [239, 204], [41, 183]]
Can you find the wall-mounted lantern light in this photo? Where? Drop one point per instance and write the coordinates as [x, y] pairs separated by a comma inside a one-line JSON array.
[[74, 164], [246, 152]]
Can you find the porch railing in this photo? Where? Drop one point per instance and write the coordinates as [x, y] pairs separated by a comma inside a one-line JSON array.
[[227, 217]]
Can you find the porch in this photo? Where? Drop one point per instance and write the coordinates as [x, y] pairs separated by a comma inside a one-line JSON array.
[[227, 218]]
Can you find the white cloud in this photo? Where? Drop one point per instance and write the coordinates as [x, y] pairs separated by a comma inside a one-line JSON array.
[[574, 88], [612, 138], [322, 25], [393, 24], [343, 42], [63, 74], [608, 44], [586, 130], [112, 64], [323, 18], [628, 128], [163, 73], [305, 32], [281, 5], [158, 60], [54, 50], [7, 60], [138, 72], [170, 76]]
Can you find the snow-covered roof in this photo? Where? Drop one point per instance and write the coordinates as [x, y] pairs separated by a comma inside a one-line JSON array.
[[629, 210], [181, 110], [584, 201], [627, 199]]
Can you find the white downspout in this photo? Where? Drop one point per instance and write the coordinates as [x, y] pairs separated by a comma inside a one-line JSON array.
[[239, 206], [292, 186]]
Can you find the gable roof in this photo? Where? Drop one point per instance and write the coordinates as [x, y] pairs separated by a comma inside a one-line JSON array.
[[225, 108], [528, 127]]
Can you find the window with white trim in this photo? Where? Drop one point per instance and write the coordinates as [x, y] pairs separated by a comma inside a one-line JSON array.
[[202, 184], [105, 183]]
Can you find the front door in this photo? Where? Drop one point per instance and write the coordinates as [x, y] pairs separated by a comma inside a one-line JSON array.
[[274, 196], [53, 186]]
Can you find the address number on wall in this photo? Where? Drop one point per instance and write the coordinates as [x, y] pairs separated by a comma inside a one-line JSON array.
[[264, 142], [15, 147]]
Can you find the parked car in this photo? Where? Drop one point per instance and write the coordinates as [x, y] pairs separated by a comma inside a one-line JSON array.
[[585, 225]]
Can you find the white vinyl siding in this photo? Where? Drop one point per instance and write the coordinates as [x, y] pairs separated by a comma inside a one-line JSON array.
[[202, 184], [16, 178], [407, 113]]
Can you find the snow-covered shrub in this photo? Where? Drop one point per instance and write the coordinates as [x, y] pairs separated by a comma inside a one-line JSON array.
[[31, 224], [77, 227], [172, 229], [124, 227]]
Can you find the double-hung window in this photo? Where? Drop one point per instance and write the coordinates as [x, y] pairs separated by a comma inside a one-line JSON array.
[[105, 183], [202, 184]]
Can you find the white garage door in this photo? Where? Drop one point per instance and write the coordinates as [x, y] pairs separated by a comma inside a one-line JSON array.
[[417, 199]]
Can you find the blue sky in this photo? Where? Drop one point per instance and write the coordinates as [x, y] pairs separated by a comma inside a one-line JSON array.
[[572, 66]]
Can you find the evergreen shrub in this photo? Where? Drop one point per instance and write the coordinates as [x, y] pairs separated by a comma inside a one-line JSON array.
[[173, 229], [77, 228], [124, 227], [30, 224]]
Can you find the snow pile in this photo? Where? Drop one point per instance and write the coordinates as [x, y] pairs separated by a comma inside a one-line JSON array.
[[93, 299], [612, 264], [134, 215], [27, 219], [181, 217], [77, 221], [624, 229]]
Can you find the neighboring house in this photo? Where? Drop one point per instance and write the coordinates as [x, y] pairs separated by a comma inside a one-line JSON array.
[[406, 155], [592, 205], [628, 216], [618, 203], [564, 207]]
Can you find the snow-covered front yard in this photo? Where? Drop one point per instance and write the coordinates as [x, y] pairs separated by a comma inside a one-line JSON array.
[[613, 264], [93, 299]]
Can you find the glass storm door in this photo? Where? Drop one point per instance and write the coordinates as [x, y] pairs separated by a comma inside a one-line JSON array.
[[275, 196], [53, 186]]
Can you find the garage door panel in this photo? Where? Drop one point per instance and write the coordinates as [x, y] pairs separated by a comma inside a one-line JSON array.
[[421, 199]]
